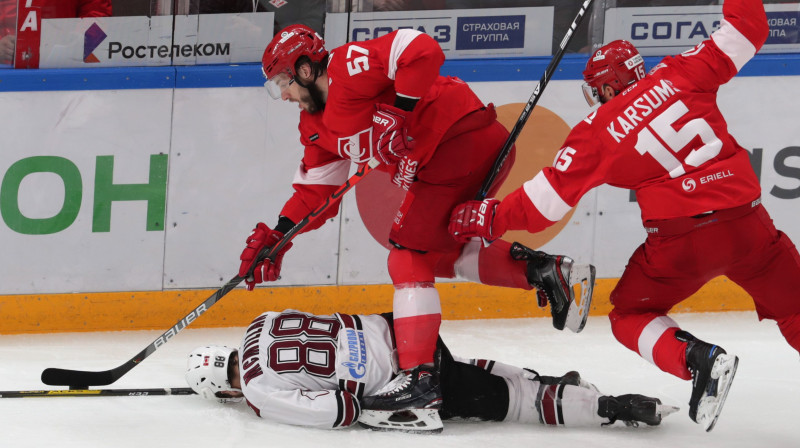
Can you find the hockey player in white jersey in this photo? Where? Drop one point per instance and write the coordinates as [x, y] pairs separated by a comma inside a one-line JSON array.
[[302, 369]]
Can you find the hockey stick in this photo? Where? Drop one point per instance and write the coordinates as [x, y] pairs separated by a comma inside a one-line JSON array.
[[81, 379], [581, 275], [526, 111], [96, 392]]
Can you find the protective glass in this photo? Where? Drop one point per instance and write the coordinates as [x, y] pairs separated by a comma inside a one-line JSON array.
[[591, 94], [278, 84]]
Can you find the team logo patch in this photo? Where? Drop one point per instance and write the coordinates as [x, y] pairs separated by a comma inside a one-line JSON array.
[[357, 147]]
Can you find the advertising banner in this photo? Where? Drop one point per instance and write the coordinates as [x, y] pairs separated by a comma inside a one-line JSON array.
[[149, 41], [467, 33], [660, 31]]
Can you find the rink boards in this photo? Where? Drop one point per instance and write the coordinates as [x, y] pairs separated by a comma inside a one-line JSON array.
[[125, 206]]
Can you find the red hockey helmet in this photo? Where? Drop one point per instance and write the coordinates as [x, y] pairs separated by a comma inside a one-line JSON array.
[[283, 52], [617, 64]]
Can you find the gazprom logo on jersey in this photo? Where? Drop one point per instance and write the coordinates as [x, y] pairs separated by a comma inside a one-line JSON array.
[[92, 39], [357, 350], [483, 33]]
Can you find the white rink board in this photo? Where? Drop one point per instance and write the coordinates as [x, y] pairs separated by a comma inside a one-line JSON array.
[[79, 127], [232, 155]]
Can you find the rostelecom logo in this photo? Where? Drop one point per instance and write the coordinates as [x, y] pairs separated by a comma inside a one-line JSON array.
[[91, 40]]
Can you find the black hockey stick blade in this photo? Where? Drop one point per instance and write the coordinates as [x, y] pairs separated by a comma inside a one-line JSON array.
[[526, 111], [82, 379], [96, 392]]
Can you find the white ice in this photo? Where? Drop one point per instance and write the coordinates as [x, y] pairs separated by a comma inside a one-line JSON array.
[[762, 408]]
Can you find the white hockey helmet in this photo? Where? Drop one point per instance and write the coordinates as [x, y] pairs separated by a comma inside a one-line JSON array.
[[207, 372]]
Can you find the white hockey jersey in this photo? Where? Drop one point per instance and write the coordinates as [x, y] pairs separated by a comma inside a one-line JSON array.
[[303, 369]]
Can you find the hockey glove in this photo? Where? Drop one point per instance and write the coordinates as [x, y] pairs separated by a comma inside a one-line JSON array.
[[265, 270], [390, 138], [476, 218]]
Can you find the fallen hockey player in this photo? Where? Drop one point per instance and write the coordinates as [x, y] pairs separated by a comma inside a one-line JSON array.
[[302, 369]]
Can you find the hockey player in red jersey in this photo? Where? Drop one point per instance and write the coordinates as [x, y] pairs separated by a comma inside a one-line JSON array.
[[663, 136], [384, 99], [343, 357]]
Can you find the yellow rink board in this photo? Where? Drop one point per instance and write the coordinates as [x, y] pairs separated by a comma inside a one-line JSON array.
[[148, 310]]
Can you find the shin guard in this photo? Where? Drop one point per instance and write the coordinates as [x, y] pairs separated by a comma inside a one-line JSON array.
[[417, 310]]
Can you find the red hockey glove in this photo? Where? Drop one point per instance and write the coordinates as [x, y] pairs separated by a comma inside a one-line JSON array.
[[390, 134], [264, 270], [475, 218]]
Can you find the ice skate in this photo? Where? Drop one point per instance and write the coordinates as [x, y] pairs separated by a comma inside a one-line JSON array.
[[712, 374], [633, 409], [409, 403], [555, 278]]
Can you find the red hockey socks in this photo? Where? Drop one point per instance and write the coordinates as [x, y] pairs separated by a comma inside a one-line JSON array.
[[417, 310], [492, 265], [652, 336], [416, 339]]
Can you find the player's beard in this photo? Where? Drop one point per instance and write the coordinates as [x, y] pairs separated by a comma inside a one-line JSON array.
[[316, 103]]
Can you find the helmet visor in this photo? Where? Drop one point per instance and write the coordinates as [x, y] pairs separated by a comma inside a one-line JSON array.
[[591, 94], [278, 84]]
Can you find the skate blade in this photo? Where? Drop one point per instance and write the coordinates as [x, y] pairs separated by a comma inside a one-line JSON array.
[[581, 276], [709, 408], [664, 410], [416, 421]]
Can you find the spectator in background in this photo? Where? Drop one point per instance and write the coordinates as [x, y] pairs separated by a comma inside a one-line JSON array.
[[51, 9], [310, 13]]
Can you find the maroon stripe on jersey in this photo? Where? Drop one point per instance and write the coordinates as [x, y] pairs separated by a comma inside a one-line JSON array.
[[547, 410], [350, 321], [347, 320], [350, 386], [347, 409], [339, 410], [354, 387], [254, 408]]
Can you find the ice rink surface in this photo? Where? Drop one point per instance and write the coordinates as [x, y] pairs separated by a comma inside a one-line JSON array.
[[762, 408]]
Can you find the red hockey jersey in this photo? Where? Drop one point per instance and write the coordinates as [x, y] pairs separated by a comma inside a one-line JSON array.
[[361, 75], [663, 137]]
